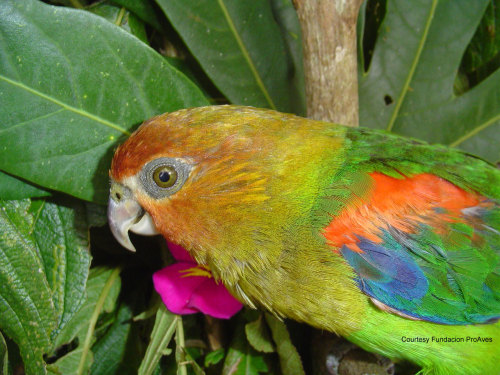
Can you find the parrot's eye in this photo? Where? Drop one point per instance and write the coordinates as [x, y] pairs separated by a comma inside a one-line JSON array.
[[164, 176]]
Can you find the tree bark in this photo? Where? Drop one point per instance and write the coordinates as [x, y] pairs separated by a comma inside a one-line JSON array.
[[330, 58]]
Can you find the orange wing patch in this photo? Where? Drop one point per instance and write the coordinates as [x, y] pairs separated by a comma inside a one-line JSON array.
[[402, 204]]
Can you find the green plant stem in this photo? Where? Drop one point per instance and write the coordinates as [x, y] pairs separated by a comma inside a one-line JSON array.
[[119, 19], [95, 315], [163, 330], [181, 358], [76, 4]]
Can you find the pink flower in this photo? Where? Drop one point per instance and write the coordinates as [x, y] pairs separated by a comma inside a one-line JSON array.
[[187, 288]]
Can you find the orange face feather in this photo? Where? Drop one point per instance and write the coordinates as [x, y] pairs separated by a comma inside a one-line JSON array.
[[236, 166]]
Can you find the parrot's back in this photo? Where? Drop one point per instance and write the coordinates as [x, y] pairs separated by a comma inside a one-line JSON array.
[[423, 239]]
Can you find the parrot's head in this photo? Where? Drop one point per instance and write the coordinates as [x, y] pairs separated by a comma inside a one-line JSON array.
[[220, 177]]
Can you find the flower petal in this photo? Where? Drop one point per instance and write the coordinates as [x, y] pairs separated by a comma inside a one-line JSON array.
[[190, 294], [215, 300], [176, 290], [179, 253]]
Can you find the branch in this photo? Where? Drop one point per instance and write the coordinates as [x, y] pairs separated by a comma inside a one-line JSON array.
[[330, 58]]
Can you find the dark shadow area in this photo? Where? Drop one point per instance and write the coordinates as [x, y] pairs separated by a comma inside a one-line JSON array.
[[374, 16]]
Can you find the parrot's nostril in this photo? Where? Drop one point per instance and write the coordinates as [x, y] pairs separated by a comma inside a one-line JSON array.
[[118, 196]]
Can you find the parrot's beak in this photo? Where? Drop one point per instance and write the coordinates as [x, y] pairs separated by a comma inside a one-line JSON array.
[[125, 214]]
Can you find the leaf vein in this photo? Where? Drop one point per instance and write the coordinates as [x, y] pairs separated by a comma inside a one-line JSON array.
[[474, 131], [78, 111], [413, 67], [47, 115], [245, 53]]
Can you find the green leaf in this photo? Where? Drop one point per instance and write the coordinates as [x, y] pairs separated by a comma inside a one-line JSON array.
[[121, 17], [71, 85], [241, 358], [103, 287], [68, 364], [239, 45], [214, 357], [288, 22], [61, 235], [12, 188], [29, 313], [360, 31], [110, 350], [163, 330], [409, 85], [44, 262], [289, 357], [78, 326], [258, 336], [4, 356]]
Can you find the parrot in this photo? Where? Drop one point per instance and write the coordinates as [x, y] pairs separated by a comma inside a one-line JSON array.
[[391, 242]]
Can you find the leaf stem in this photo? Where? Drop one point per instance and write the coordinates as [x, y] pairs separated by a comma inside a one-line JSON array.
[[95, 315], [119, 19], [181, 358], [76, 4]]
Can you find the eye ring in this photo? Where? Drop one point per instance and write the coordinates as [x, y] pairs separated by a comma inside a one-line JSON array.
[[165, 176]]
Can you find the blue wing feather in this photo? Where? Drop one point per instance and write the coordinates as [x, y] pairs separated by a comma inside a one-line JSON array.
[[450, 279]]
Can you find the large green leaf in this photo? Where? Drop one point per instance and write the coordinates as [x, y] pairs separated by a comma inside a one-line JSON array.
[[12, 188], [61, 235], [288, 21], [71, 85], [43, 269], [409, 85], [102, 291], [69, 363], [110, 351], [95, 291], [239, 45]]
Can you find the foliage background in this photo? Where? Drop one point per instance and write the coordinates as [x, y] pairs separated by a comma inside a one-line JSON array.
[[74, 83]]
